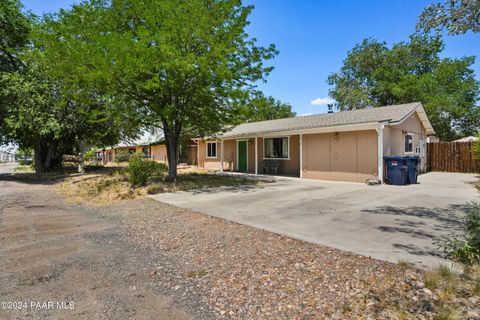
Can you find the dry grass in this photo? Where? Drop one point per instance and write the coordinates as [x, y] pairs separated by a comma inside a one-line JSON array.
[[403, 264], [23, 169], [102, 188], [447, 312], [450, 288]]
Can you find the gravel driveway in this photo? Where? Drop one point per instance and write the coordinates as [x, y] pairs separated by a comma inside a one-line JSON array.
[[141, 259], [386, 222], [7, 167]]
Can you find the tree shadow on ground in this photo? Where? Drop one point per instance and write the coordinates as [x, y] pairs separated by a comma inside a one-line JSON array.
[[418, 221], [441, 218], [53, 177], [232, 189]]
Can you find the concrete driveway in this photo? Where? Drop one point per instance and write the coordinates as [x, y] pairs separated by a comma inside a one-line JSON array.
[[386, 222]]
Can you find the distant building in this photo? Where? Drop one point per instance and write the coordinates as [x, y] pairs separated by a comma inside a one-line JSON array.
[[467, 139], [151, 145], [7, 156]]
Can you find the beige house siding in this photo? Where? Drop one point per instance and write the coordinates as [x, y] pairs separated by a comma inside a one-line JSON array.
[[289, 167], [208, 163], [341, 156], [159, 152], [394, 139]]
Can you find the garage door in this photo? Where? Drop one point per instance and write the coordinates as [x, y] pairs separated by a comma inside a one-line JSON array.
[[342, 156]]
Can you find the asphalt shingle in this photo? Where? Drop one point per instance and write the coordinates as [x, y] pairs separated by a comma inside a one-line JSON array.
[[390, 114]]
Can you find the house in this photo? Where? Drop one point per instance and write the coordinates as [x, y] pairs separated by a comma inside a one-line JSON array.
[[467, 139], [6, 156], [342, 146], [151, 145]]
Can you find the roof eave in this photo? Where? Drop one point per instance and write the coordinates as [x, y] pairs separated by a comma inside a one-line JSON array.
[[338, 128]]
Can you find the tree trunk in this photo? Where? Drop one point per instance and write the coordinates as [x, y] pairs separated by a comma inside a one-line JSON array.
[[172, 155], [81, 147], [39, 158], [43, 155], [172, 141], [49, 155]]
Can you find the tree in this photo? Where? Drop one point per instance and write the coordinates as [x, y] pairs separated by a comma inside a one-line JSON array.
[[180, 64], [374, 75], [43, 106], [457, 16], [260, 108], [14, 31]]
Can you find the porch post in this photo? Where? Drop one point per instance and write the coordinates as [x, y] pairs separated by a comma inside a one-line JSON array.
[[256, 155], [221, 155], [198, 153], [380, 152], [301, 155]]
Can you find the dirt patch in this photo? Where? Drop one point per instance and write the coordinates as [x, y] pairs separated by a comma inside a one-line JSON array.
[[55, 252]]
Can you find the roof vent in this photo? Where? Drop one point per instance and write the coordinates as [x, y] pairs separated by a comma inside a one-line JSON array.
[[330, 108]]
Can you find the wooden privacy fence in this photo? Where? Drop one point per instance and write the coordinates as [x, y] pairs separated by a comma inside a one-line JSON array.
[[452, 157]]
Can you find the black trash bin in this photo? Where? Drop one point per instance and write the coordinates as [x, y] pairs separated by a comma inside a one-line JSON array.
[[396, 170], [412, 169]]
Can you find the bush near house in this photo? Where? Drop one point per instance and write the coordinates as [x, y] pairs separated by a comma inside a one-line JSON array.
[[466, 248], [139, 171], [25, 162]]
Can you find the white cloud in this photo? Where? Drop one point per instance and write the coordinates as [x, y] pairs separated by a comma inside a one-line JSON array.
[[304, 114], [321, 101]]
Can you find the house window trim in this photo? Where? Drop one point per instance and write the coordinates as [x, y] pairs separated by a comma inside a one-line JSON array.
[[413, 143], [246, 140], [216, 149], [288, 148]]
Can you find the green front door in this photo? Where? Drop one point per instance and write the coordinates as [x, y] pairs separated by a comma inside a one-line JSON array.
[[242, 156]]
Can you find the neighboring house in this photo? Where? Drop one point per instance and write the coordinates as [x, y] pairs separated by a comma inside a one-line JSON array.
[[7, 156], [467, 139], [152, 146], [342, 146]]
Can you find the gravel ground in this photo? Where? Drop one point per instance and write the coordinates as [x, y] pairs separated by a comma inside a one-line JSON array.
[[53, 251], [140, 259]]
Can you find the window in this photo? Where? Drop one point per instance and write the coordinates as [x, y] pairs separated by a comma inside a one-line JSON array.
[[276, 148], [409, 143], [211, 149], [146, 152]]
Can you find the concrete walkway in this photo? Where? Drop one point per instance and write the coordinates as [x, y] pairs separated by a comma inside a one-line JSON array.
[[386, 222]]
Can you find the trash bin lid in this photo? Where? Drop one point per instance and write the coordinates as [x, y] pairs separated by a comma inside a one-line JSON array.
[[394, 158]]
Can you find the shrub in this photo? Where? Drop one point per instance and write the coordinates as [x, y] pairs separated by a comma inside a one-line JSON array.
[[466, 248], [25, 162], [139, 170], [89, 156], [122, 156], [154, 189]]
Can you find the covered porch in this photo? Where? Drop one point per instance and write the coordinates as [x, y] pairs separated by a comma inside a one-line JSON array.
[[275, 155]]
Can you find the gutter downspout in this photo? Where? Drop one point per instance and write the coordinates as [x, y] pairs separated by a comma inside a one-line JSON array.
[[379, 129]]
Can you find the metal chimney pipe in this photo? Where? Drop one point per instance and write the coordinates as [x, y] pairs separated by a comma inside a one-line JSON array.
[[330, 108]]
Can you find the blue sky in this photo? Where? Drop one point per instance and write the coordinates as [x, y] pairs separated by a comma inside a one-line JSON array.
[[313, 38]]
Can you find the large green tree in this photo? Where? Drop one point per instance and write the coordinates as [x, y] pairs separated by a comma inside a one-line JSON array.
[[374, 74], [457, 16], [180, 64], [260, 107], [14, 31], [42, 106]]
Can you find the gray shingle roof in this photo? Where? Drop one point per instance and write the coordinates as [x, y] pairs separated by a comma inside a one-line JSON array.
[[389, 114]]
